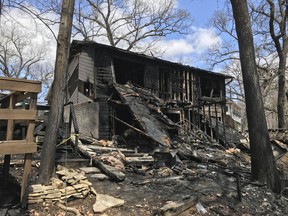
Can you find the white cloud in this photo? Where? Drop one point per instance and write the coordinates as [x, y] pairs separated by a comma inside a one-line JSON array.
[[177, 47], [204, 39], [194, 45]]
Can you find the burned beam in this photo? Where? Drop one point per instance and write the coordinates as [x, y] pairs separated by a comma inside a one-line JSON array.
[[134, 128]]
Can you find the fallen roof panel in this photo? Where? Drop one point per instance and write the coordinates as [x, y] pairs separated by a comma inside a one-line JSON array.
[[141, 112]]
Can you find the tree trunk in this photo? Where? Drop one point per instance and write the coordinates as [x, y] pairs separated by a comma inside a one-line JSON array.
[[263, 167], [281, 92], [58, 93]]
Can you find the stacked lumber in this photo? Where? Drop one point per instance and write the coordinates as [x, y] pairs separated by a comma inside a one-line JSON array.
[[70, 183]]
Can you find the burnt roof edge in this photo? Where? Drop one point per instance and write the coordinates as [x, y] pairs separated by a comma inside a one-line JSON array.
[[116, 49]]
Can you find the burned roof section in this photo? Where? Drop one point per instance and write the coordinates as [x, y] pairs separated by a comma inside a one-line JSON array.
[[77, 46]]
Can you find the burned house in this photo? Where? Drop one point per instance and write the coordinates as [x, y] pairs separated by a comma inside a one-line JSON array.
[[97, 84]]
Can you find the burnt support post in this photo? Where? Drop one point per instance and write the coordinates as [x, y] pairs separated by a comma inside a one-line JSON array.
[[217, 123], [204, 119], [76, 128], [223, 121], [198, 117], [210, 121]]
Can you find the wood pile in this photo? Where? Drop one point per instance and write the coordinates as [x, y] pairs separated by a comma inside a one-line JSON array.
[[111, 160], [279, 134], [70, 183]]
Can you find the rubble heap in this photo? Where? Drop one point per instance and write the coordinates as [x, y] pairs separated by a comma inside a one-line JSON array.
[[70, 183]]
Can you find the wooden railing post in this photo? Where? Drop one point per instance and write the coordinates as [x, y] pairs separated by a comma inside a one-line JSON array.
[[20, 89], [9, 136], [28, 156]]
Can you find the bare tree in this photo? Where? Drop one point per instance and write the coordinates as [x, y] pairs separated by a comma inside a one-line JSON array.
[[263, 167], [17, 53], [24, 51], [130, 24], [268, 58], [273, 20]]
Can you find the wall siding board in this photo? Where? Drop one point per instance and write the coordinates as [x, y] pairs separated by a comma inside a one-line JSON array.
[[78, 97], [86, 67], [74, 97], [72, 66], [82, 98]]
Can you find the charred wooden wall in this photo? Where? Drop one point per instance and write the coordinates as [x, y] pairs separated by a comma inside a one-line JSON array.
[[96, 67], [151, 78], [103, 77]]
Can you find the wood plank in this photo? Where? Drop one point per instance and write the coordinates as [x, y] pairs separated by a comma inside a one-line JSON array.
[[31, 124], [10, 124], [110, 171], [22, 85], [26, 172], [17, 114], [17, 147], [177, 207], [75, 125], [140, 160], [108, 149], [23, 141], [149, 123], [9, 136]]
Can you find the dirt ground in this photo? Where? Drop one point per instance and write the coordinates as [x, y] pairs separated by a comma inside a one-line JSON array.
[[145, 193]]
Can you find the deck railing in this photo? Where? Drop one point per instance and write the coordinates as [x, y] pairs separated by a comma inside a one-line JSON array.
[[11, 114]]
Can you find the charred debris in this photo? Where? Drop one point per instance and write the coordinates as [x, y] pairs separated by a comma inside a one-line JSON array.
[[129, 114], [154, 110], [132, 112], [145, 135]]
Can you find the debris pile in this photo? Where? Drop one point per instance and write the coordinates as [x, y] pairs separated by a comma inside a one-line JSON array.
[[71, 183], [188, 161]]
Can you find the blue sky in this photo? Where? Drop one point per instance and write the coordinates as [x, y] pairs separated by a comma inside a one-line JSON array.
[[201, 10]]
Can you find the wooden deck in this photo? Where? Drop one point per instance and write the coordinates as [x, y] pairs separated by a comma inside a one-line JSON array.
[[20, 89]]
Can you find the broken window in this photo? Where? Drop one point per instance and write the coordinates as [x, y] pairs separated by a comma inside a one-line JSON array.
[[129, 71], [177, 85], [88, 89], [211, 88]]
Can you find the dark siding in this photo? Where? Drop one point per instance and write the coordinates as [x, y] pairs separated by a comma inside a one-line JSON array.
[[103, 78], [151, 78]]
